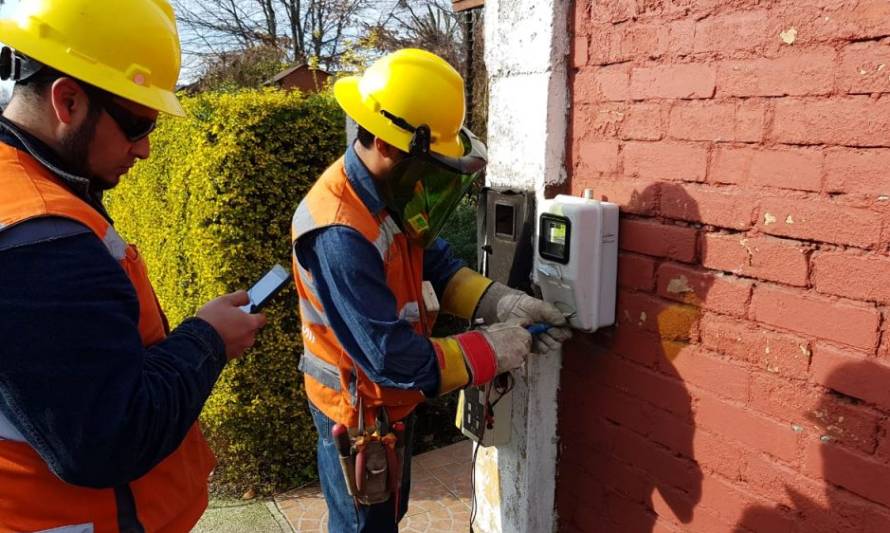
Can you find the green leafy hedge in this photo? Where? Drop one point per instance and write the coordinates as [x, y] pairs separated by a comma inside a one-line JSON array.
[[210, 211]]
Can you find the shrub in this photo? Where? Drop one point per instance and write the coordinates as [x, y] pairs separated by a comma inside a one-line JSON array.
[[210, 212]]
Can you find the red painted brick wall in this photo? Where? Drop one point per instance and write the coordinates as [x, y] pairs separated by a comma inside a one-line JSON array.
[[746, 386]]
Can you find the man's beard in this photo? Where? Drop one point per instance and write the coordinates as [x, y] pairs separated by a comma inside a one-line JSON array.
[[76, 148]]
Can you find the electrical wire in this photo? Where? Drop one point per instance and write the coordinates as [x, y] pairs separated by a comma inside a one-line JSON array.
[[502, 390], [474, 504]]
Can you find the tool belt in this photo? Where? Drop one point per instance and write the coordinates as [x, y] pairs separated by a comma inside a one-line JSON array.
[[372, 461]]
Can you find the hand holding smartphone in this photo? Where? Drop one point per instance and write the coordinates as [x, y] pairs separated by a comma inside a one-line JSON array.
[[266, 288]]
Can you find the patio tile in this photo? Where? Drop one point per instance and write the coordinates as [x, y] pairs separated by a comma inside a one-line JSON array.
[[440, 496]]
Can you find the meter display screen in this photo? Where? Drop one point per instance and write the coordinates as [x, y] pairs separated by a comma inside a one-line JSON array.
[[555, 237]]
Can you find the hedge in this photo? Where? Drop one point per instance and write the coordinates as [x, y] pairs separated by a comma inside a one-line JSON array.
[[210, 211]]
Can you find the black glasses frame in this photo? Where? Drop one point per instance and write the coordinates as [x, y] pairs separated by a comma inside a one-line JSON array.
[[134, 127]]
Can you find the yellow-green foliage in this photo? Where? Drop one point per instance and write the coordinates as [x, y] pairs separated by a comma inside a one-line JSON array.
[[210, 211]]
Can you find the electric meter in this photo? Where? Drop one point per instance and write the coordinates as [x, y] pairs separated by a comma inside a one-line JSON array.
[[576, 264]]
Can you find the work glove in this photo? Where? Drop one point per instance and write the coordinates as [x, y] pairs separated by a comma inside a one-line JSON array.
[[501, 304], [551, 340], [511, 343], [476, 357]]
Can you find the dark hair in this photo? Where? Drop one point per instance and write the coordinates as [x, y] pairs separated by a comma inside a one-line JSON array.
[[365, 137], [36, 86]]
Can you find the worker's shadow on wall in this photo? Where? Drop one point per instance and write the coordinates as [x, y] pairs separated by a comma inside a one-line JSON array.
[[830, 429], [626, 418]]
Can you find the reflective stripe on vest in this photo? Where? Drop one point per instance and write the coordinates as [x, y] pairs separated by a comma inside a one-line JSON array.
[[117, 247], [9, 431], [309, 314], [320, 370], [78, 528], [388, 232]]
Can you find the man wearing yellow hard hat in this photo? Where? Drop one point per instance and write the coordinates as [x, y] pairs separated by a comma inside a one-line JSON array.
[[371, 270], [98, 398]]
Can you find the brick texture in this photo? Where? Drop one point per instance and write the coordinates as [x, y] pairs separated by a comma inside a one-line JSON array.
[[804, 74], [852, 121], [863, 68], [864, 278], [675, 242], [666, 161], [858, 171], [673, 81], [744, 386], [820, 220], [725, 208], [731, 32], [845, 322], [776, 353], [780, 168], [714, 292], [781, 260], [705, 120]]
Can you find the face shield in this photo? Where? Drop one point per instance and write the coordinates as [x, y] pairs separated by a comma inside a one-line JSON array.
[[424, 189]]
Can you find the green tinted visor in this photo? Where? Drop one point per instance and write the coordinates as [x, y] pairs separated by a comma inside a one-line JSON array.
[[425, 188]]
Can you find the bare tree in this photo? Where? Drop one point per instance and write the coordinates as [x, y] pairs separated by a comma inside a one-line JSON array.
[[428, 24], [312, 31], [241, 68]]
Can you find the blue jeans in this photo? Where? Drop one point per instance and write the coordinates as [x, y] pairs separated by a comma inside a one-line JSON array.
[[343, 514]]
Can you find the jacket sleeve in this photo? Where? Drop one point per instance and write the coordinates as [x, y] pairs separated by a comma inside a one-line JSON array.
[[75, 380], [440, 265], [351, 283]]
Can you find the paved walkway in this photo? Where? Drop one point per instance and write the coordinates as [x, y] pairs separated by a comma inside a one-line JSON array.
[[440, 496]]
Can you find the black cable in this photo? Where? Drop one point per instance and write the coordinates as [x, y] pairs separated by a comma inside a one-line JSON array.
[[473, 506], [503, 390]]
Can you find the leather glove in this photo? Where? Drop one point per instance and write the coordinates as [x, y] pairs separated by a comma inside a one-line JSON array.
[[476, 357], [501, 303], [511, 342], [551, 340]]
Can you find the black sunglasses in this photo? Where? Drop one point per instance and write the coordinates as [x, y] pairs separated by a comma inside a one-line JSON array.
[[134, 127]]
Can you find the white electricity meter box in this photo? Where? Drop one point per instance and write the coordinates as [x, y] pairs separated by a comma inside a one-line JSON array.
[[576, 264]]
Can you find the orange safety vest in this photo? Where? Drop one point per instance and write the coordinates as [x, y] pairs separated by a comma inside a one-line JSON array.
[[333, 381], [169, 498]]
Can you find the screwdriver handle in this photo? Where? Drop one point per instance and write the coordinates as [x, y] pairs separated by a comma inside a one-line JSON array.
[[341, 438], [538, 328]]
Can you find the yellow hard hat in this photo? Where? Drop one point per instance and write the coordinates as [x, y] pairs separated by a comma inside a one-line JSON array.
[[404, 90], [129, 48]]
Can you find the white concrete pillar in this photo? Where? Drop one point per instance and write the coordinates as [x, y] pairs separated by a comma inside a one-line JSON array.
[[526, 48]]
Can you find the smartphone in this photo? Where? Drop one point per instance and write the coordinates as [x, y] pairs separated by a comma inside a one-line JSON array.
[[267, 287]]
